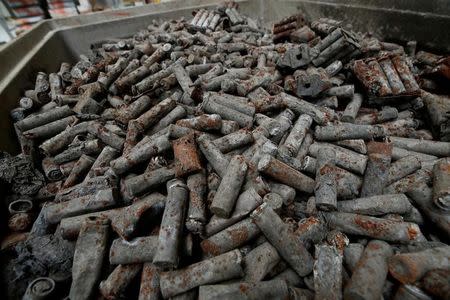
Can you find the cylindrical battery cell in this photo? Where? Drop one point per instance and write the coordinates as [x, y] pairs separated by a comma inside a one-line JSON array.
[[410, 267], [220, 268], [170, 233], [369, 275], [377, 169], [285, 174], [230, 238], [377, 228], [284, 239], [229, 188]]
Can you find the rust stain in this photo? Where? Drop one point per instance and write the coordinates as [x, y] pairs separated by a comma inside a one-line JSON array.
[[209, 247], [404, 268], [239, 236], [187, 158], [306, 224], [412, 233], [243, 288], [373, 228]]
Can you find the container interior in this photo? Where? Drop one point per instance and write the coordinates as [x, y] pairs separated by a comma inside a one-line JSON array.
[[63, 40]]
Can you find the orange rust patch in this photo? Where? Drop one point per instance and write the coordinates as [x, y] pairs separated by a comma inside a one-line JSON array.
[[403, 267], [372, 227], [209, 247], [381, 148], [243, 288], [305, 225], [412, 233], [187, 159], [239, 236], [445, 168]]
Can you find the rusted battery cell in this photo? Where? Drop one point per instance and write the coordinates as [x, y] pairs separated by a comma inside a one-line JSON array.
[[410, 267], [187, 159], [352, 108], [407, 78], [377, 205], [134, 110], [370, 273], [311, 231], [345, 158], [402, 168], [376, 174], [355, 145], [100, 200], [58, 142], [79, 171], [88, 187], [154, 114], [408, 182], [344, 44], [175, 114], [149, 288], [124, 220], [220, 268], [226, 112], [372, 77], [437, 108], [259, 262], [228, 190], [352, 255], [246, 203], [117, 282], [441, 179], [196, 213], [89, 147], [147, 68], [230, 238], [346, 131], [214, 156], [287, 193], [88, 258], [234, 140], [50, 129], [285, 174], [294, 140], [101, 164], [386, 114], [327, 272], [167, 253], [377, 228], [319, 114], [140, 154], [202, 123], [325, 189], [392, 76], [44, 118], [281, 237], [440, 149], [138, 250], [422, 197]]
